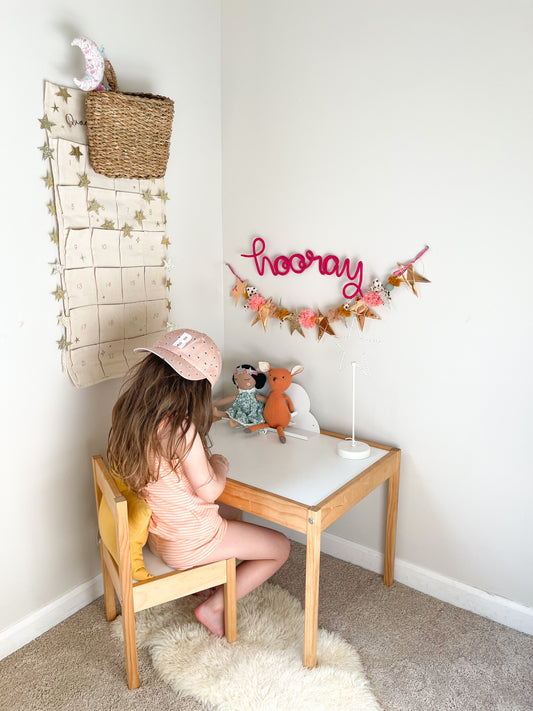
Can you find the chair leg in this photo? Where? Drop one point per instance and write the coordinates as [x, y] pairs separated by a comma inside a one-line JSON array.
[[109, 590], [230, 602], [130, 645]]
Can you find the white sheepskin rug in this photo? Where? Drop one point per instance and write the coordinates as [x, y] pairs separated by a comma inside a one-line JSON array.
[[262, 670]]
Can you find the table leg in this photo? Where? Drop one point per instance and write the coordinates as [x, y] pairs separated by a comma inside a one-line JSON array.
[[392, 518], [312, 579]]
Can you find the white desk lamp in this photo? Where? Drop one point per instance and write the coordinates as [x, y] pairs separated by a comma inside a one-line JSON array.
[[351, 448]]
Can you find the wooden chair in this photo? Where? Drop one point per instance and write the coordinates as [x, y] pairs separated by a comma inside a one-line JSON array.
[[135, 596]]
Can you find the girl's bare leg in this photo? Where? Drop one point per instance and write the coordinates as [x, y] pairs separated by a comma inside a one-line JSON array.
[[262, 551]]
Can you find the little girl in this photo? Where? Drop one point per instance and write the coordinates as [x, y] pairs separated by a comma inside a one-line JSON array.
[[158, 443]]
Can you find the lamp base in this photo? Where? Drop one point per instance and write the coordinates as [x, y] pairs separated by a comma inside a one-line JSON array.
[[352, 449]]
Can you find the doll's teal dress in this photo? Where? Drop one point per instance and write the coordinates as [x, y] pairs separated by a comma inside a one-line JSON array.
[[246, 409]]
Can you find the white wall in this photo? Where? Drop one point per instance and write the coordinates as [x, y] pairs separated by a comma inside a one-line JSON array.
[[359, 128], [49, 428], [369, 129]]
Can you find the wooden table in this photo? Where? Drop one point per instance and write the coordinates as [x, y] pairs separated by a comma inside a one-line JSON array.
[[305, 486]]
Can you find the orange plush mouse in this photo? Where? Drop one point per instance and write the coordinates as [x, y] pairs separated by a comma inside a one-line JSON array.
[[278, 407]]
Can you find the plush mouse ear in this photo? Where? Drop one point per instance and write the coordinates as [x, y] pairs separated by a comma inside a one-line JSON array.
[[297, 369], [264, 366]]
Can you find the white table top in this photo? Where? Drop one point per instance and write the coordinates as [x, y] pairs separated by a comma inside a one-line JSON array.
[[307, 471]]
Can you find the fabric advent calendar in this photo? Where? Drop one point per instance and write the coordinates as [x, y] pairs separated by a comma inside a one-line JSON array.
[[112, 250]]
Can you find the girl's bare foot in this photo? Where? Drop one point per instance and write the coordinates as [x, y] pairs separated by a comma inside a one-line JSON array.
[[211, 616]]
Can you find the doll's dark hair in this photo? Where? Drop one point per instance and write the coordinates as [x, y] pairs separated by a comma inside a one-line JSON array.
[[260, 378]]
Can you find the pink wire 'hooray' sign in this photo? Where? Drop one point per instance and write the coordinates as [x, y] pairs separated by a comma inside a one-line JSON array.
[[298, 263]]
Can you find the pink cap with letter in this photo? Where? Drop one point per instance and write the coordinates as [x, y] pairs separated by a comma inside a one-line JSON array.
[[192, 354]]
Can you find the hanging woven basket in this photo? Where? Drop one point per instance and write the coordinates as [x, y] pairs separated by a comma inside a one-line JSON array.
[[128, 134]]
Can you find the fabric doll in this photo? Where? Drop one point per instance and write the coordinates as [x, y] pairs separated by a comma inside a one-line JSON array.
[[247, 405]]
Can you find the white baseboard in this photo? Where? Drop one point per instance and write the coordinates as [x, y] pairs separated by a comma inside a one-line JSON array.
[[494, 607], [49, 616]]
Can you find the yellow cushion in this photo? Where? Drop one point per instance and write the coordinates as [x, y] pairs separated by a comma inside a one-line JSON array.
[[138, 518]]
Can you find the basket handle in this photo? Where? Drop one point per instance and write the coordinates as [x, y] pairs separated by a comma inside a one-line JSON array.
[[110, 76]]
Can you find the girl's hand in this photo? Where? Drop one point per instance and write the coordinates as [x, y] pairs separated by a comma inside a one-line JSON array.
[[220, 460]]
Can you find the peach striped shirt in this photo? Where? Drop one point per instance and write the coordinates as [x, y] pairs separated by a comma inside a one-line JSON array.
[[184, 528]]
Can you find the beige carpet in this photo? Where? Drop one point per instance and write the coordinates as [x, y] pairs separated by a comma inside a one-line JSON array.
[[419, 654], [262, 670]]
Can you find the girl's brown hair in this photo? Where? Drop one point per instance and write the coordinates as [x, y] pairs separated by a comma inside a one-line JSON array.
[[155, 395]]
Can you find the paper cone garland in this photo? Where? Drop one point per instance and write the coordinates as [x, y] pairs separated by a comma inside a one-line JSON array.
[[239, 290], [361, 308], [294, 324], [322, 323], [362, 312], [263, 314], [410, 278]]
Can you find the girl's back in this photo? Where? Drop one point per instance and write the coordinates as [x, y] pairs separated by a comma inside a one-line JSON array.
[[183, 526]]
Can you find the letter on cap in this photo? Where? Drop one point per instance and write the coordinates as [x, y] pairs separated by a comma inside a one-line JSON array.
[[183, 340]]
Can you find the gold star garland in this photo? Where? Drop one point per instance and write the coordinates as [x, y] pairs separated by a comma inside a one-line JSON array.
[[57, 268], [59, 293], [46, 123], [63, 93], [48, 180], [126, 230], [47, 151], [94, 206], [84, 180], [361, 308], [76, 152], [63, 344]]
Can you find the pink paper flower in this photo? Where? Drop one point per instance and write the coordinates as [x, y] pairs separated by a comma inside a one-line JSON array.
[[256, 301], [372, 299], [307, 318]]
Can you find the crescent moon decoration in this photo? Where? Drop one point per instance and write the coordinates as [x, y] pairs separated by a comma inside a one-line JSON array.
[[94, 60]]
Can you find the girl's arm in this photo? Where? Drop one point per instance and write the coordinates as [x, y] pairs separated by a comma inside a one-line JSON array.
[[207, 477], [225, 401], [220, 403]]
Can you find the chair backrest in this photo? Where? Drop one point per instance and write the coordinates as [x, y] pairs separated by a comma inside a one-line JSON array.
[[106, 488], [143, 594]]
